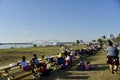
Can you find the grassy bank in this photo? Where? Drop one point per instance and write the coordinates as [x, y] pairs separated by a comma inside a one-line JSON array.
[[8, 56], [100, 70], [98, 61]]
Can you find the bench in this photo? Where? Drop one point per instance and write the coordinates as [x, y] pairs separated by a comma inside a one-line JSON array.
[[5, 72], [8, 72]]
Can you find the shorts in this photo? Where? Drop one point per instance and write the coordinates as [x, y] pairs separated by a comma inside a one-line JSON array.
[[114, 60]]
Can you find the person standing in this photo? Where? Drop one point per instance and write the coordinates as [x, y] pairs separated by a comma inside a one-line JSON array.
[[112, 57]]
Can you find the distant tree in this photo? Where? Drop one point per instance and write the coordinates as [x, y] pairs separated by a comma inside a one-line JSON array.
[[93, 40], [103, 37], [99, 40], [118, 38], [77, 42], [119, 35], [34, 45]]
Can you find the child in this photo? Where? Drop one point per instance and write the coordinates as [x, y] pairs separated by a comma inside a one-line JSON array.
[[43, 69], [81, 66], [88, 66]]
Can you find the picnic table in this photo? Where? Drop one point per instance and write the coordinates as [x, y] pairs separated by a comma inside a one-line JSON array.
[[5, 71]]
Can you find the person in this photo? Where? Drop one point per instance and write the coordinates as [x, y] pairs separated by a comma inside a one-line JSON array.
[[51, 60], [88, 66], [67, 59], [43, 69], [34, 62], [81, 65], [112, 57], [24, 65], [61, 55], [61, 58]]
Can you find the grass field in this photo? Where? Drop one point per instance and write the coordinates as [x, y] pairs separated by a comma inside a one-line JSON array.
[[8, 56], [100, 71], [100, 68]]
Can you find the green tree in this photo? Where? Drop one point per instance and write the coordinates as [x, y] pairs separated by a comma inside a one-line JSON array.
[[93, 40], [34, 45], [77, 42], [99, 40], [119, 35], [118, 38]]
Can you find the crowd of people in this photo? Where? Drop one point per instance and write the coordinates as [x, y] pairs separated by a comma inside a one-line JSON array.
[[38, 68], [64, 59]]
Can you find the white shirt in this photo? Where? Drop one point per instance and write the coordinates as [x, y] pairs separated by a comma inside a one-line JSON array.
[[68, 58]]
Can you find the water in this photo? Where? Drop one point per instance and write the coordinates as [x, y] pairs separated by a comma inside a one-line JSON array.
[[8, 46], [15, 46]]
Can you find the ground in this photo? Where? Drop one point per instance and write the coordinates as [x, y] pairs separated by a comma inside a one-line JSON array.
[[100, 71]]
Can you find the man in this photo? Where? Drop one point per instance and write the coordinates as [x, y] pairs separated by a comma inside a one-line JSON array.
[[112, 57]]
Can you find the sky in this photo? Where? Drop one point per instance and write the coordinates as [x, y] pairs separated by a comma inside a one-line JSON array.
[[63, 20]]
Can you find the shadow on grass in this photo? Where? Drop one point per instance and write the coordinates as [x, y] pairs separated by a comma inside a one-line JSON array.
[[76, 77], [68, 74], [64, 75], [99, 67], [71, 73], [20, 78]]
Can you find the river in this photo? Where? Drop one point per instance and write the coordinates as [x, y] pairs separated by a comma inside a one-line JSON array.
[[15, 46]]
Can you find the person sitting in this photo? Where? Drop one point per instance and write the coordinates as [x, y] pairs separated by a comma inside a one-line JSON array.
[[71, 57], [43, 69], [81, 65], [24, 65], [66, 62], [88, 66], [34, 62], [61, 58], [67, 59], [51, 59]]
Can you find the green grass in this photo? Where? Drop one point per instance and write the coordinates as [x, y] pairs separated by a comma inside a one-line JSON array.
[[8, 56], [98, 62], [100, 70]]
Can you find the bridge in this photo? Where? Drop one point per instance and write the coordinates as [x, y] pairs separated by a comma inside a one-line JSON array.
[[39, 42], [47, 42], [15, 43]]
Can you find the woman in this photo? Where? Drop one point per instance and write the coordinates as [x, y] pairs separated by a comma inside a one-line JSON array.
[[25, 66], [112, 57]]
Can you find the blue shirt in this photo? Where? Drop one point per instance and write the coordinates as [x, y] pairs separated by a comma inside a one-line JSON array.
[[35, 60], [112, 51]]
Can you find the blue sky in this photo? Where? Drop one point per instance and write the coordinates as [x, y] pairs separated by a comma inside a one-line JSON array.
[[63, 20]]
